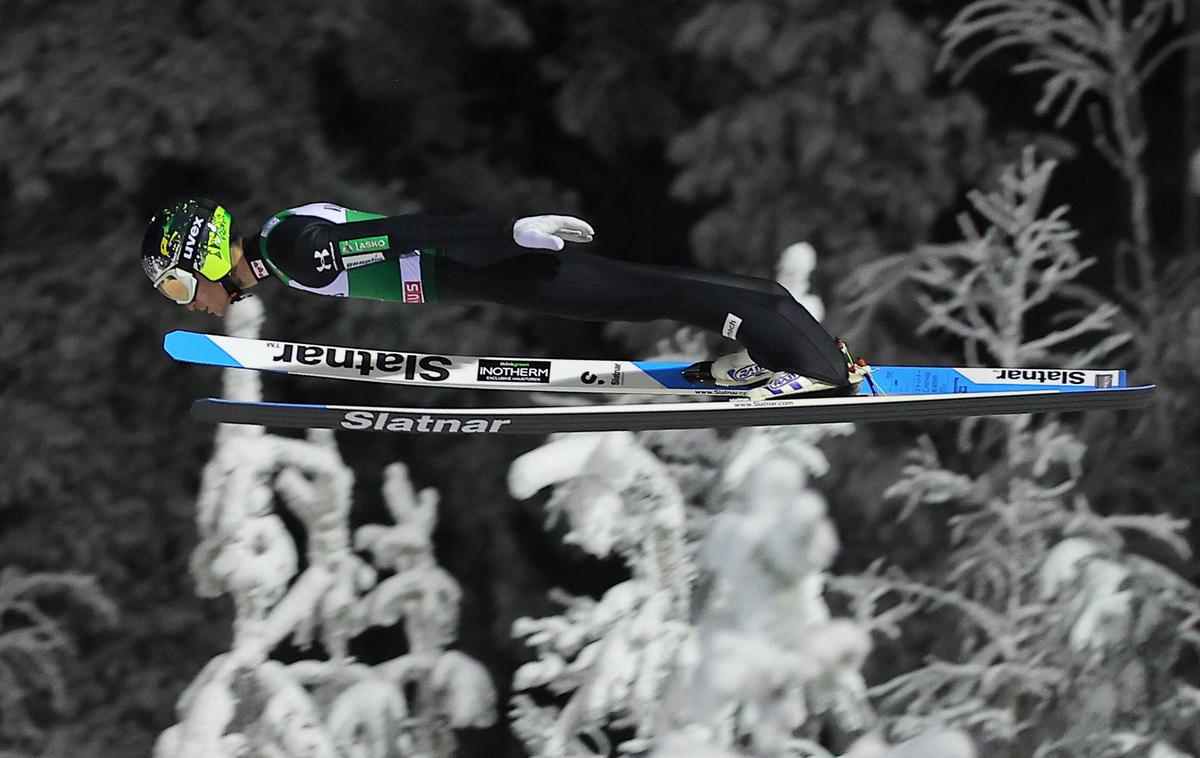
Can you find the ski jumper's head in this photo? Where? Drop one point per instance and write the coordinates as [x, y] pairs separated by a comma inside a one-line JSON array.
[[191, 258]]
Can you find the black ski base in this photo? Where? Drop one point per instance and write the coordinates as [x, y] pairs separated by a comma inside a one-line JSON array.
[[695, 415]]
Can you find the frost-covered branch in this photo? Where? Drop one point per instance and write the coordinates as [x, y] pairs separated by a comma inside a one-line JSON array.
[[617, 656], [1105, 50], [721, 645], [244, 702], [35, 643], [1050, 618], [985, 289]]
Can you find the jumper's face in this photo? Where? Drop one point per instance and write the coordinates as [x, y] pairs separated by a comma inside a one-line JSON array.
[[211, 297]]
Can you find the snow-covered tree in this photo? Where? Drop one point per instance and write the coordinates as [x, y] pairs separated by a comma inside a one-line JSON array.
[[1064, 642], [34, 645], [1104, 52], [618, 657], [818, 123], [244, 703], [720, 643]]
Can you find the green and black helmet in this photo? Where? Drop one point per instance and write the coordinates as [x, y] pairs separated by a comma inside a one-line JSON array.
[[184, 239]]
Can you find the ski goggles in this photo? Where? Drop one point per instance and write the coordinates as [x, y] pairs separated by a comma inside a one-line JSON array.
[[179, 285]]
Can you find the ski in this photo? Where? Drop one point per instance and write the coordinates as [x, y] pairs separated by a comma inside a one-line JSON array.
[[612, 377], [736, 412]]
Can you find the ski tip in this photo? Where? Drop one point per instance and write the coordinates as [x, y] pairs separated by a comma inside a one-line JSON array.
[[219, 410], [211, 410], [191, 347]]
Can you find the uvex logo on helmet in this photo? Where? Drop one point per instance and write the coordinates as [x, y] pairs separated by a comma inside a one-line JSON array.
[[189, 247]]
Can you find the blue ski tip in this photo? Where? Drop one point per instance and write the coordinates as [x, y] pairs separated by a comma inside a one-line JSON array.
[[191, 347]]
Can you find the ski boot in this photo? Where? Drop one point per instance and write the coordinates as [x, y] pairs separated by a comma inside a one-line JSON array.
[[787, 383], [735, 370]]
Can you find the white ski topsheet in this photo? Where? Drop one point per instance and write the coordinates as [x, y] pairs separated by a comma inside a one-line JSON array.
[[580, 375]]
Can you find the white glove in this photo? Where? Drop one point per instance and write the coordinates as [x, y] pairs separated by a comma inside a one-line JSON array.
[[548, 232]]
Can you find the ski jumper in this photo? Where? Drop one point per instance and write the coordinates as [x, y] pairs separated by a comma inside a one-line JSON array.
[[330, 250]]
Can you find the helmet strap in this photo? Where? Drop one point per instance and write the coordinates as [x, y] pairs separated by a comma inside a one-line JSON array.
[[235, 292]]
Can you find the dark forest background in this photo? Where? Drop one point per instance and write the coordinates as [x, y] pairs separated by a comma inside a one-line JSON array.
[[692, 132]]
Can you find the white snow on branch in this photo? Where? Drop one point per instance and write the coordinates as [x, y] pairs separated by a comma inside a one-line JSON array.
[[244, 702], [720, 644]]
